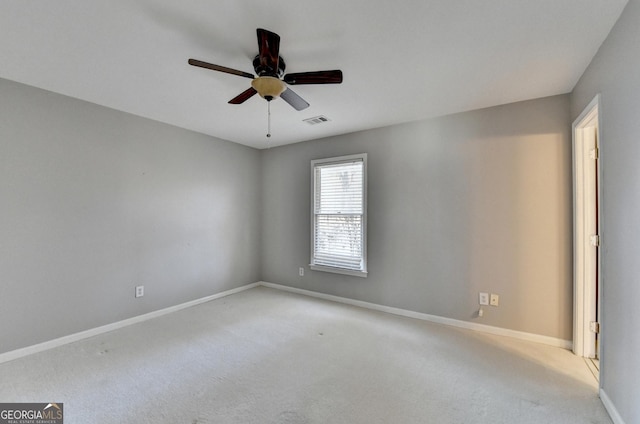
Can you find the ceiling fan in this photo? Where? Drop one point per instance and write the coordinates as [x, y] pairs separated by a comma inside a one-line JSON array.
[[269, 67]]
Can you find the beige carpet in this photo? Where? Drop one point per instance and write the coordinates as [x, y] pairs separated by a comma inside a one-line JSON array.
[[266, 356]]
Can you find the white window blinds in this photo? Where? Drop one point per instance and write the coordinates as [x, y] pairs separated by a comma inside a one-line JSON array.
[[339, 215]]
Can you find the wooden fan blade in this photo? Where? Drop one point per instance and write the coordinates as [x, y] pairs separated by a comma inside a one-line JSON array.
[[201, 64], [294, 100], [318, 77], [268, 50], [244, 96]]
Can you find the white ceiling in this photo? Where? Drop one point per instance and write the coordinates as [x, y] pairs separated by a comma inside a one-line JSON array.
[[402, 61]]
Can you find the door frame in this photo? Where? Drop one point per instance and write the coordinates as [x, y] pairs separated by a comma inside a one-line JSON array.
[[586, 280]]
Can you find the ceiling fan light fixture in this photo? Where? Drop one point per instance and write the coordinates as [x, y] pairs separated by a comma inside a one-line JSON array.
[[268, 87], [270, 80]]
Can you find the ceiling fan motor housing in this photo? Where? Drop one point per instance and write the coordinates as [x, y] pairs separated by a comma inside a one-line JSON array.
[[266, 71]]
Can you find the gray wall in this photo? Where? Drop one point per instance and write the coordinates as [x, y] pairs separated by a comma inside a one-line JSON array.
[[478, 201], [95, 201], [615, 74]]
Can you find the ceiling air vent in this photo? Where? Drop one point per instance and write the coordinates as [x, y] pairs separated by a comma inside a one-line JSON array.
[[316, 120]]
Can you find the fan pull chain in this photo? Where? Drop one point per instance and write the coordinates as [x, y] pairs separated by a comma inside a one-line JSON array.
[[268, 119]]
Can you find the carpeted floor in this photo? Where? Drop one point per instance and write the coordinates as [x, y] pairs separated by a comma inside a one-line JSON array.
[[266, 356]]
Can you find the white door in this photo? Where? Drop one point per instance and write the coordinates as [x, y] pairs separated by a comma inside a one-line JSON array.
[[586, 232]]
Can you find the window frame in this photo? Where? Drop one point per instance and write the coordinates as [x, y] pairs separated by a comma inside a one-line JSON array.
[[361, 157]]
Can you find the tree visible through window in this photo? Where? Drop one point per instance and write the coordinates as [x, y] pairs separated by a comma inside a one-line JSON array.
[[339, 215]]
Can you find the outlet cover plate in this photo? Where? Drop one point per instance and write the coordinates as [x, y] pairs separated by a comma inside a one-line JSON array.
[[483, 298]]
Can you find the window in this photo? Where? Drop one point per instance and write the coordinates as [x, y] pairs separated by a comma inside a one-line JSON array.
[[339, 215]]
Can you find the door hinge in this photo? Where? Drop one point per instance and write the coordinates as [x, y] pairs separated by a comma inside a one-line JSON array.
[[594, 326], [594, 153], [595, 240]]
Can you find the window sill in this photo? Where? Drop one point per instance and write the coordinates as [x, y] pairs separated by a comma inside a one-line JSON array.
[[362, 274]]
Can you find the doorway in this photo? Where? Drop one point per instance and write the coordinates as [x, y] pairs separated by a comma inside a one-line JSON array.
[[586, 239]]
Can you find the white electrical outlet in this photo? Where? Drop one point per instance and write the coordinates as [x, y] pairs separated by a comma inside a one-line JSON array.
[[495, 300], [139, 291], [301, 271], [483, 298]]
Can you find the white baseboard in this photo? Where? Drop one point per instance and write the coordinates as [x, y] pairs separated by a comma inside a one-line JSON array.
[[611, 409], [29, 350], [552, 341]]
